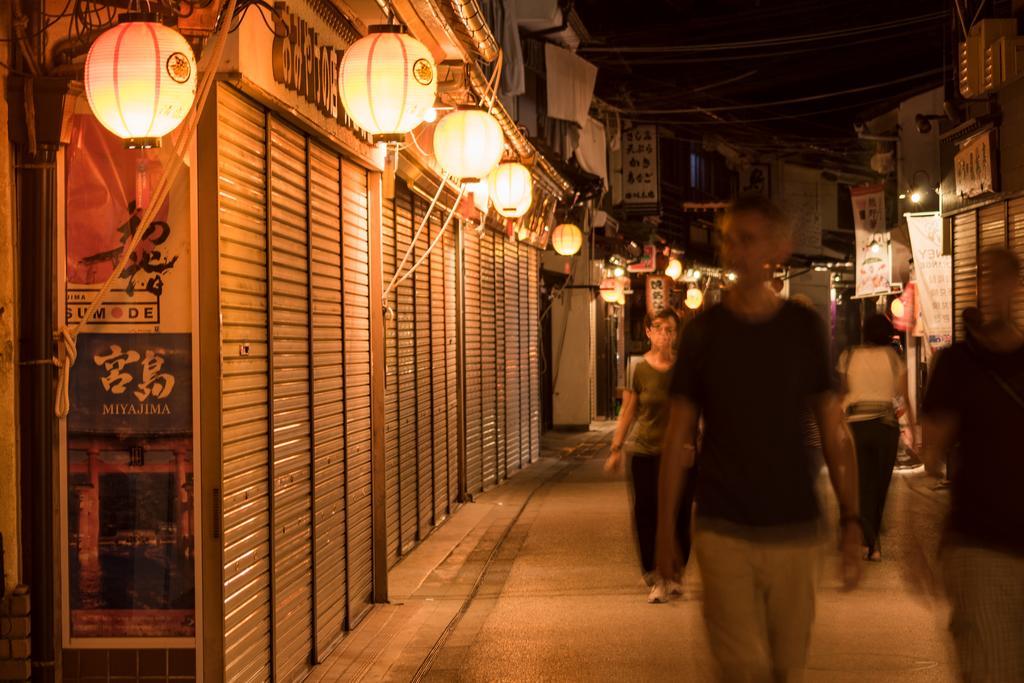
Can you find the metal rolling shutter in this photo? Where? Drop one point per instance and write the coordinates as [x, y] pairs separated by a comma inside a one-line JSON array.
[[525, 439], [290, 398], [451, 362], [241, 169], [424, 395], [533, 327], [391, 400], [991, 233], [406, 370], [1015, 228], [355, 227], [513, 345], [965, 268], [488, 358], [473, 371], [500, 361], [328, 394], [438, 371]]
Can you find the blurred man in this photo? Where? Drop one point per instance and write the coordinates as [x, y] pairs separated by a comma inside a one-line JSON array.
[[975, 402], [751, 368]]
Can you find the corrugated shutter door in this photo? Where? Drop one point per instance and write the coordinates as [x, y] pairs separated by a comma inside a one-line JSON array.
[[473, 371], [965, 268], [241, 170], [328, 393], [513, 343], [500, 361], [438, 372], [290, 373], [1016, 241], [406, 321], [451, 361], [488, 358], [355, 229], [991, 233], [424, 395], [533, 294], [391, 392], [526, 441]]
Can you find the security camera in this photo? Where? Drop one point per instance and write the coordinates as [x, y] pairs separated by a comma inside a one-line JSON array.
[[922, 123]]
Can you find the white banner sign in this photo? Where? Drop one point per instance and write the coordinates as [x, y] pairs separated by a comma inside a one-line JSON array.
[[874, 268], [934, 275], [640, 182]]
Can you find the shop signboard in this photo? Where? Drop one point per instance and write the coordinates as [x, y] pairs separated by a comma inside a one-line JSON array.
[[640, 176], [974, 166], [648, 261], [874, 268], [933, 272], [128, 545], [659, 288], [756, 179]]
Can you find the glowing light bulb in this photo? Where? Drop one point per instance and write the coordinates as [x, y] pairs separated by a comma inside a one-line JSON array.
[[619, 271], [916, 196]]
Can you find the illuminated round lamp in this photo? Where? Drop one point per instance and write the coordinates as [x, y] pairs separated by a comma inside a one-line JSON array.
[[511, 188], [468, 143], [140, 79], [896, 307], [694, 298], [567, 239], [611, 289], [481, 195], [674, 269], [388, 81]]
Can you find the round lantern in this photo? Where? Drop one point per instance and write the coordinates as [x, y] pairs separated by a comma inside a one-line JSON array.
[[140, 79], [481, 195], [388, 81], [468, 143], [611, 289], [511, 188], [694, 298], [566, 239], [674, 269]]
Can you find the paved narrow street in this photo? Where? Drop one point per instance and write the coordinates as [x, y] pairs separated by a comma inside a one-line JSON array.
[[537, 580]]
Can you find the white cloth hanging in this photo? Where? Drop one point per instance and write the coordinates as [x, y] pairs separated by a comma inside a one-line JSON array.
[[570, 84]]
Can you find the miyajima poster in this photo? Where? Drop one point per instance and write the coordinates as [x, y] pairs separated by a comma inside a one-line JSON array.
[[129, 465]]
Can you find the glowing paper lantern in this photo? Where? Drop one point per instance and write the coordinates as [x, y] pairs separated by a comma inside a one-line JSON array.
[[468, 143], [567, 239], [611, 289], [511, 188], [897, 308], [481, 195], [674, 269], [694, 298], [140, 80], [388, 81]]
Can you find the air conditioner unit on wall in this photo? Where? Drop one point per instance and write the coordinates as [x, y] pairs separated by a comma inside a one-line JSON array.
[[985, 66]]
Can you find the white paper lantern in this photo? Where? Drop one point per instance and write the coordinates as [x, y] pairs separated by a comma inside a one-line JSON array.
[[611, 289], [511, 188], [567, 239], [674, 269], [140, 79], [481, 195], [694, 298], [388, 81], [468, 143]]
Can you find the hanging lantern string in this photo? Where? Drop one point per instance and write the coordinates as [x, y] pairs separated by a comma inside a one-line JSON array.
[[430, 248], [412, 244], [68, 336]]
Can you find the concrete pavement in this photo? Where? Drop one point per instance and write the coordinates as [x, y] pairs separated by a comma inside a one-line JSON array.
[[538, 581]]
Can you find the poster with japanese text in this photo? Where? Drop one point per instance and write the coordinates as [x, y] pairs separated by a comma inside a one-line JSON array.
[[129, 466], [933, 273], [874, 268], [659, 288], [640, 181]]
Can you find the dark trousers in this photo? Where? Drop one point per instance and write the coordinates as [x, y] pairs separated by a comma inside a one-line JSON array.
[[643, 474], [877, 442]]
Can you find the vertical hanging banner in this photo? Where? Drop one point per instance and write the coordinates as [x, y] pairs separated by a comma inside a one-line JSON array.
[[933, 272], [874, 269], [640, 177], [659, 287], [129, 543]]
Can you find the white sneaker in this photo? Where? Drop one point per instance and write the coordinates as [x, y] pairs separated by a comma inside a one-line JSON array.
[[673, 587], [658, 593]]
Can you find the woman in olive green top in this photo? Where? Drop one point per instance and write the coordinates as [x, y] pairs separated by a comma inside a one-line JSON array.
[[642, 419]]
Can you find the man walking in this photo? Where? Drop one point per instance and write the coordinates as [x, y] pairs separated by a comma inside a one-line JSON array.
[[752, 367]]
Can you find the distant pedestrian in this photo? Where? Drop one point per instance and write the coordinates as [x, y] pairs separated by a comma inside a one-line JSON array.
[[752, 367], [642, 420], [874, 380], [974, 415]]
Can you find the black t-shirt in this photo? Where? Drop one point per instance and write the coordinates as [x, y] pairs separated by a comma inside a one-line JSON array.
[[988, 470], [754, 383]]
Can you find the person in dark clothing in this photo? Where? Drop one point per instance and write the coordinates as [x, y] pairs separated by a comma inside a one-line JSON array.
[[752, 367], [874, 379], [642, 419], [973, 412]]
